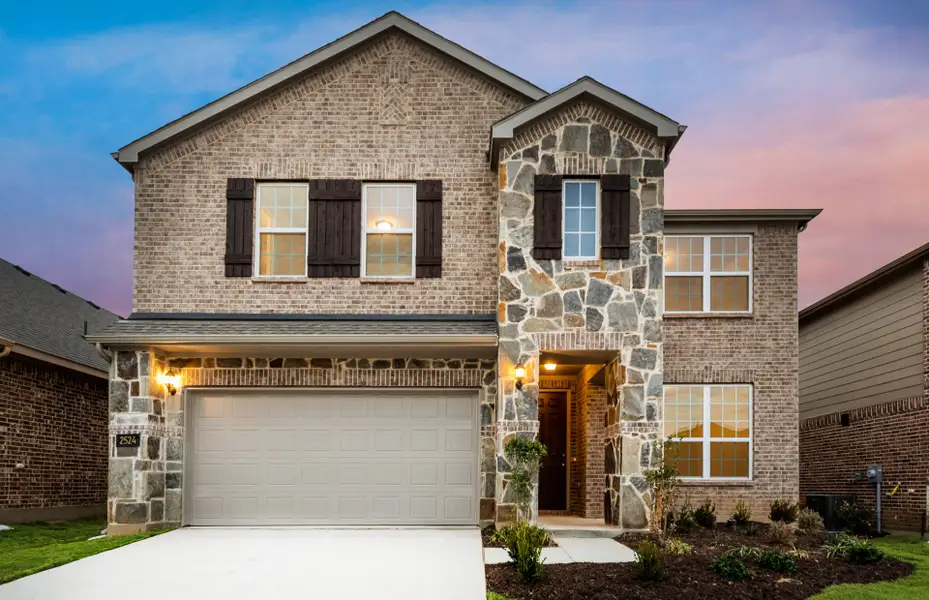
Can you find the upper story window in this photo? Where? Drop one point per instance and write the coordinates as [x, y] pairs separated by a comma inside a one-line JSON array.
[[708, 273], [711, 427], [580, 219], [389, 216], [282, 229]]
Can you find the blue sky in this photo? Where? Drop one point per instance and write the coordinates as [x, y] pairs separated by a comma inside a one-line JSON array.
[[829, 96]]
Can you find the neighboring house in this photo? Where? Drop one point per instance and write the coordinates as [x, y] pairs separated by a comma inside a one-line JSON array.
[[864, 390], [53, 401], [352, 270]]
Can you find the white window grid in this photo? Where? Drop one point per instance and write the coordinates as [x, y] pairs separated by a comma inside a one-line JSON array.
[[708, 438], [393, 230], [259, 229], [706, 274], [564, 218]]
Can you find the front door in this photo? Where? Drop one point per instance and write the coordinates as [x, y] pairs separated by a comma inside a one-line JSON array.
[[553, 432]]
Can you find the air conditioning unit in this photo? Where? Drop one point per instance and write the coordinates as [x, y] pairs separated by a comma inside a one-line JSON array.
[[827, 505]]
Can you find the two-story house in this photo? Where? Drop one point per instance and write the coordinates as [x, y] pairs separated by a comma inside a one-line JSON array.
[[358, 276]]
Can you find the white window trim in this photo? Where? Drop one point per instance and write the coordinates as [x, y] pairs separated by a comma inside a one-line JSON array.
[[707, 440], [366, 231], [259, 229], [706, 274], [564, 214]]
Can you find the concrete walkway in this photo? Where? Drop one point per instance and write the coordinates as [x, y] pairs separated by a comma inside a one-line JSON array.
[[272, 564], [573, 549]]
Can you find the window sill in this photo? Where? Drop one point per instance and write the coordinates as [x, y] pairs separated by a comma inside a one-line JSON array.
[[715, 483], [280, 279], [401, 280], [709, 315]]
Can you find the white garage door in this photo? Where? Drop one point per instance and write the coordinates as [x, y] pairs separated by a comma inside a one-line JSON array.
[[355, 457]]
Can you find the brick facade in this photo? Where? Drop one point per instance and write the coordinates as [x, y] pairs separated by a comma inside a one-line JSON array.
[[894, 435], [53, 453], [760, 349], [587, 413]]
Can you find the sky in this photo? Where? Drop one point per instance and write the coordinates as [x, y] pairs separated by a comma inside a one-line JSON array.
[[790, 103]]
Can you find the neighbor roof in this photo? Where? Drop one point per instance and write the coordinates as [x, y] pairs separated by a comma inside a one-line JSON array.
[[801, 216], [129, 154], [867, 282], [40, 316]]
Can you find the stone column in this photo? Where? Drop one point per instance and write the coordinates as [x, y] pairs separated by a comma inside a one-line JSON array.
[[136, 496]]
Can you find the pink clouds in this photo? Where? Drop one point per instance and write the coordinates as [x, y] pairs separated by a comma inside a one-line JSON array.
[[866, 164]]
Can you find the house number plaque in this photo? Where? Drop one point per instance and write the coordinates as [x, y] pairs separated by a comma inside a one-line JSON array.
[[127, 440]]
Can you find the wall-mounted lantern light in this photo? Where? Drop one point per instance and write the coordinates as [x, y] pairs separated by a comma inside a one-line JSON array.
[[520, 373], [550, 365], [171, 381]]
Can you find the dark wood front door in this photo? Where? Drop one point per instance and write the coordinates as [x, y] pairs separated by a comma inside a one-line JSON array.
[[553, 432]]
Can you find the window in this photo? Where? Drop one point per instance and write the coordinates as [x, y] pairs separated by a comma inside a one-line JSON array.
[[389, 218], [712, 430], [282, 229], [580, 219], [708, 273]]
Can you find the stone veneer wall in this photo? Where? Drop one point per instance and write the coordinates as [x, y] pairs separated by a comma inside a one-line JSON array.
[[563, 305], [146, 484]]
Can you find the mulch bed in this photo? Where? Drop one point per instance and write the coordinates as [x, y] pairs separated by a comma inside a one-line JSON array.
[[488, 541], [691, 576]]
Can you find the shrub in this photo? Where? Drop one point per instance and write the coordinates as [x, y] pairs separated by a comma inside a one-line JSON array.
[[837, 545], [863, 553], [731, 568], [524, 456], [780, 562], [685, 522], [742, 514], [672, 546], [649, 562], [854, 518], [524, 542], [783, 511], [751, 528], [663, 481], [705, 515], [809, 521], [781, 533], [797, 554], [743, 552]]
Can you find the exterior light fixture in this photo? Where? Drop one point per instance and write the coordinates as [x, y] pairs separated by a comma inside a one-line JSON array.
[[520, 373], [384, 225], [171, 381], [550, 366]]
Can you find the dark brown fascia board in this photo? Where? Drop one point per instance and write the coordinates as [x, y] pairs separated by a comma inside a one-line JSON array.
[[148, 316], [128, 155], [663, 126], [801, 216], [865, 283]]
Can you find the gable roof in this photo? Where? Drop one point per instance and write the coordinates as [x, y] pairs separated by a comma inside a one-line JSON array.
[[866, 283], [39, 317], [662, 126], [128, 155]]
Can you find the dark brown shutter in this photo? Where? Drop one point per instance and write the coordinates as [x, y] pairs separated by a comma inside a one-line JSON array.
[[547, 217], [614, 216], [429, 228], [334, 227], [240, 200]]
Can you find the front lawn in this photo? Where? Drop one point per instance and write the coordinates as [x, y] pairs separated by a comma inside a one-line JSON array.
[[34, 547], [908, 549]]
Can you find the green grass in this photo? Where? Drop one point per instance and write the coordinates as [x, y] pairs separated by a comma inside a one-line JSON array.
[[908, 549], [34, 547], [496, 596]]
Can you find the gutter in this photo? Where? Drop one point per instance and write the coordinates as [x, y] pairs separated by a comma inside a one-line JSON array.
[[239, 340], [9, 347]]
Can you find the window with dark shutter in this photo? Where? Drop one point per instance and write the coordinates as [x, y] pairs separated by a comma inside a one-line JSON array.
[[614, 216], [547, 217], [334, 228], [429, 228], [240, 199]]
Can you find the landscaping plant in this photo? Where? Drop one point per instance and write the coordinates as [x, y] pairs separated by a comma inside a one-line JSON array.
[[751, 528], [777, 561], [524, 456], [649, 562], [529, 541], [742, 514], [705, 515], [679, 547], [731, 568], [810, 522], [663, 481], [743, 552], [854, 519], [797, 554], [684, 521], [783, 511], [863, 552], [781, 533]]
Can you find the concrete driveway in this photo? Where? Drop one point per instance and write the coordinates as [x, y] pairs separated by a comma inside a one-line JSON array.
[[267, 564]]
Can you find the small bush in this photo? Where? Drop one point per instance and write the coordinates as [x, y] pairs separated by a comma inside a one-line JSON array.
[[743, 552], [672, 546], [751, 528], [783, 511], [649, 562], [778, 562], [836, 545], [781, 533], [798, 554], [705, 515], [742, 514], [853, 549], [809, 521], [684, 521], [731, 568], [854, 519], [524, 542]]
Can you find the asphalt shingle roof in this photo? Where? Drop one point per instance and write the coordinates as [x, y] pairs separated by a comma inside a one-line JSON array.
[[42, 316]]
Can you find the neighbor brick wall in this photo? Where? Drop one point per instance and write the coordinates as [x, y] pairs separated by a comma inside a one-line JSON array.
[[392, 109], [53, 421], [760, 349], [894, 435]]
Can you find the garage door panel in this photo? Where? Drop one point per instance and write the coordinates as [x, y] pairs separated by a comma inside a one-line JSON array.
[[372, 457]]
